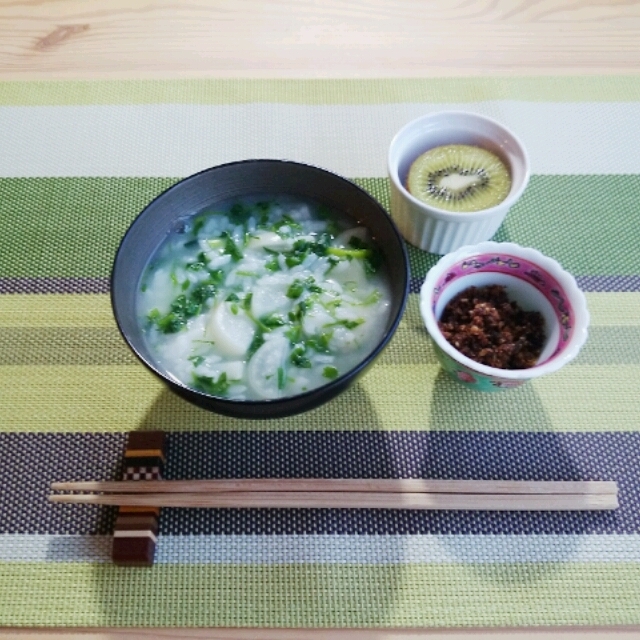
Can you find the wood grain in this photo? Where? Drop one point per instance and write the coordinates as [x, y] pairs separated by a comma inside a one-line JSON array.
[[372, 485], [309, 38], [353, 500]]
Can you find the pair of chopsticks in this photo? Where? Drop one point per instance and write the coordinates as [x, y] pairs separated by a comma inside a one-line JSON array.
[[475, 495]]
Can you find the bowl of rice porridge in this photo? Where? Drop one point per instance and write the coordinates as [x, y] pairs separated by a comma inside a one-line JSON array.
[[260, 288]]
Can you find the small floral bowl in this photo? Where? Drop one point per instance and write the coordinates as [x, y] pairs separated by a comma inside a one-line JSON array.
[[534, 281]]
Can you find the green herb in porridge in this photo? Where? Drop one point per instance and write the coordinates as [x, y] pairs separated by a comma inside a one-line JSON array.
[[263, 299]]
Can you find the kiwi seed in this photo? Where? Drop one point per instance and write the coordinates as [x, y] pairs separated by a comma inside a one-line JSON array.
[[460, 178]]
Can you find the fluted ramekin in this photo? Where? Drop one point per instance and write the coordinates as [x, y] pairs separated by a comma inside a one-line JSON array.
[[436, 230]]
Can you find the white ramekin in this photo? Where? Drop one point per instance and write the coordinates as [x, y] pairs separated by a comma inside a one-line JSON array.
[[433, 229]]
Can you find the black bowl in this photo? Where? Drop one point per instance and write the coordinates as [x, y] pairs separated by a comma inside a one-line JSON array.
[[240, 179]]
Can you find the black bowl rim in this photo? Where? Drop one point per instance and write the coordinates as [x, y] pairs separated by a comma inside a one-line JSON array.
[[333, 385]]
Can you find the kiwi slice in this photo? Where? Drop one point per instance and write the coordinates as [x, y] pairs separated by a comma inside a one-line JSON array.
[[459, 177]]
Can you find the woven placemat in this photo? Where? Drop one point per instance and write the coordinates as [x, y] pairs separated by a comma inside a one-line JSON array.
[[81, 159]]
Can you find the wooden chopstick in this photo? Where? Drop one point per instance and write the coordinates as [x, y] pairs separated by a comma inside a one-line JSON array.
[[359, 485], [352, 500], [357, 493]]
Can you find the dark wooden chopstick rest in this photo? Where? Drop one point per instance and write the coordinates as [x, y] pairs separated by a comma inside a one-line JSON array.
[[135, 533]]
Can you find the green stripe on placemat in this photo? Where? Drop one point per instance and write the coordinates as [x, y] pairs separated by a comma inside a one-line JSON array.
[[374, 91], [80, 329], [116, 398], [320, 595], [611, 309], [68, 226], [104, 346], [77, 223], [561, 216], [65, 376], [63, 310]]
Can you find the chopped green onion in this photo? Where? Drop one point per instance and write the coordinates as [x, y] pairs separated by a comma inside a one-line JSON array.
[[330, 372], [347, 324], [298, 357], [281, 378], [230, 247], [256, 343], [219, 387], [296, 289], [272, 321]]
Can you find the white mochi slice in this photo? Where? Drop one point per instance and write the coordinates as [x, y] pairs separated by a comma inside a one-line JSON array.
[[350, 274], [235, 370], [347, 311], [213, 369], [231, 332], [217, 262], [316, 319], [344, 340], [270, 295], [269, 240], [263, 369]]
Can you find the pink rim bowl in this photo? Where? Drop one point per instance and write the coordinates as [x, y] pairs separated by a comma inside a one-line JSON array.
[[536, 282]]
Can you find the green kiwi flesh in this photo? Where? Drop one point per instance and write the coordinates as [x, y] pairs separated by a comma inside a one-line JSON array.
[[459, 177]]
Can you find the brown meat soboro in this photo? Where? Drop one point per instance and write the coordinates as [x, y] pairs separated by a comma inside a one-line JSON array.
[[484, 325]]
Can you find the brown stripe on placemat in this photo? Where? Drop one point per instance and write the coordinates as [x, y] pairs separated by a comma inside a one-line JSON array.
[[54, 285]]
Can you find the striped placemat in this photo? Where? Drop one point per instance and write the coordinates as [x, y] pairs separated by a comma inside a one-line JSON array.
[[80, 159]]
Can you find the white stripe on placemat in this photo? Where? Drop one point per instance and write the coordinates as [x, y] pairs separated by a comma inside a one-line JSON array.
[[335, 549], [179, 139]]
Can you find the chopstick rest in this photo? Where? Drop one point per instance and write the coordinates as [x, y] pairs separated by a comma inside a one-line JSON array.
[[136, 530]]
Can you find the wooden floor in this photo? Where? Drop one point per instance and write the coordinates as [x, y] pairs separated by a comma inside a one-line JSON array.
[[316, 38]]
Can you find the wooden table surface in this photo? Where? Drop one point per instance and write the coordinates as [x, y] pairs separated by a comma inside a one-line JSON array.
[[316, 38], [93, 39]]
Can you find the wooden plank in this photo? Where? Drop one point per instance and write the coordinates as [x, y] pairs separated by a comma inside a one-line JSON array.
[[306, 38]]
